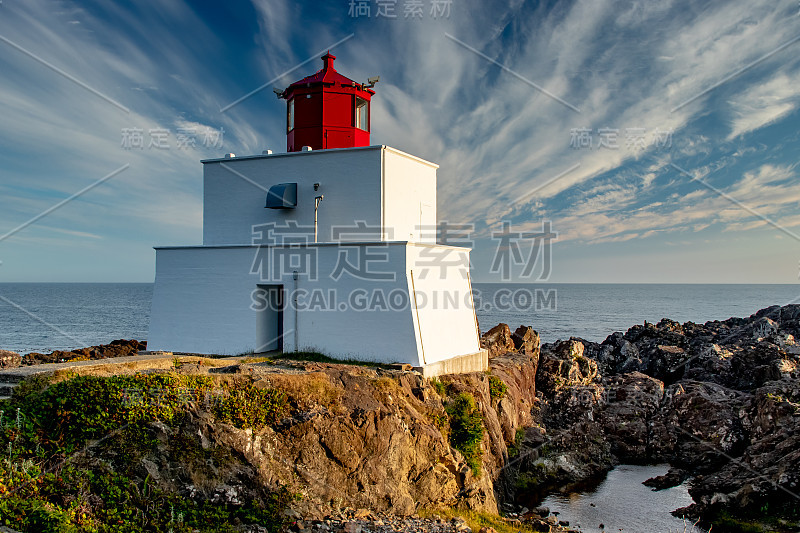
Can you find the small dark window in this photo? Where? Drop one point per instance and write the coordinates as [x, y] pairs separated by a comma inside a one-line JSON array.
[[290, 115], [362, 114]]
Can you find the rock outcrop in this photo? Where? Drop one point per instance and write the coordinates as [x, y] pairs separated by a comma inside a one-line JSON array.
[[116, 348], [9, 359], [498, 340], [719, 401]]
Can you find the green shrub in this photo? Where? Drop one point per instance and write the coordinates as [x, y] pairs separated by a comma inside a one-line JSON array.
[[466, 429], [48, 483], [535, 479], [88, 407], [29, 386], [249, 407], [497, 388], [438, 386]]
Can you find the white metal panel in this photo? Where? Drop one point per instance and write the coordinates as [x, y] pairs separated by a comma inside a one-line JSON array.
[[447, 324], [409, 197]]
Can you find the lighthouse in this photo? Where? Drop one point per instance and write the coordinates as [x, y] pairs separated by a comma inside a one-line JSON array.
[[327, 110], [328, 247]]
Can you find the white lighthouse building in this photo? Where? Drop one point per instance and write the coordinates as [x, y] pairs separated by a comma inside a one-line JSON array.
[[329, 247]]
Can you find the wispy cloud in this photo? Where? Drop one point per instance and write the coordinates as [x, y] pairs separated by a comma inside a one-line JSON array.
[[624, 65], [764, 104]]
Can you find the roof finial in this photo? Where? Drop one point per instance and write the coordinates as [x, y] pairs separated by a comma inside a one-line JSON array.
[[328, 59]]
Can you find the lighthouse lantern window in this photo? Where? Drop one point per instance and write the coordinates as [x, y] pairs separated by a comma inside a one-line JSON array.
[[362, 114], [290, 115]]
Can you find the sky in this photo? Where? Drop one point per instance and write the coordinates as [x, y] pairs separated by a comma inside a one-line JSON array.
[[657, 139]]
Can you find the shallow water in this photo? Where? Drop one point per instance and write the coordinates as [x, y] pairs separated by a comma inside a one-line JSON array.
[[622, 504]]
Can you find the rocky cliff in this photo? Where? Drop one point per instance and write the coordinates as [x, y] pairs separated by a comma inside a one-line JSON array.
[[720, 402]]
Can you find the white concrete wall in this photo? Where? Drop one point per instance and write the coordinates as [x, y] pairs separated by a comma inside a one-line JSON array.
[[203, 295], [410, 197], [202, 303], [235, 192], [363, 324], [388, 190]]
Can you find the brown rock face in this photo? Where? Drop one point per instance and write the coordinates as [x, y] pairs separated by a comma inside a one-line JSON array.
[[526, 341], [498, 340], [9, 359], [377, 447]]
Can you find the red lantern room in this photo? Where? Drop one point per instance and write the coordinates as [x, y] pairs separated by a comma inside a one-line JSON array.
[[327, 110]]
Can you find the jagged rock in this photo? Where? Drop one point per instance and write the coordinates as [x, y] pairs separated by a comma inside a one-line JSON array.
[[498, 340], [632, 400], [562, 365], [697, 421], [526, 341], [116, 348], [9, 359], [718, 399]]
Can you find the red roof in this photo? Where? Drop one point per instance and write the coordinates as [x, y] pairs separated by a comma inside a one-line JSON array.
[[327, 74]]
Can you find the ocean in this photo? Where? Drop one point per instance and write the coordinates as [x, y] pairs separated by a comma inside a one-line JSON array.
[[41, 317]]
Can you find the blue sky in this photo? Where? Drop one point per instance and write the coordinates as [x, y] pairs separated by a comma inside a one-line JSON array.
[[691, 110]]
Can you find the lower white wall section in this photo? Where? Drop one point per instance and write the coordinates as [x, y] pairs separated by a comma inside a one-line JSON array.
[[387, 302], [442, 297]]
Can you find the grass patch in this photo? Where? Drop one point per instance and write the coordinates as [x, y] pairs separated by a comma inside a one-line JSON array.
[[497, 387], [307, 390], [466, 429], [316, 357], [255, 360], [248, 407], [438, 386]]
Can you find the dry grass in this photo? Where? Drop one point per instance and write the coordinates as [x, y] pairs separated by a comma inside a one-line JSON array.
[[254, 360], [306, 389], [476, 520]]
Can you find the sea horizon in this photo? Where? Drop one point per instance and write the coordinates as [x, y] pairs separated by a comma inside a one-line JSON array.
[[47, 316]]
